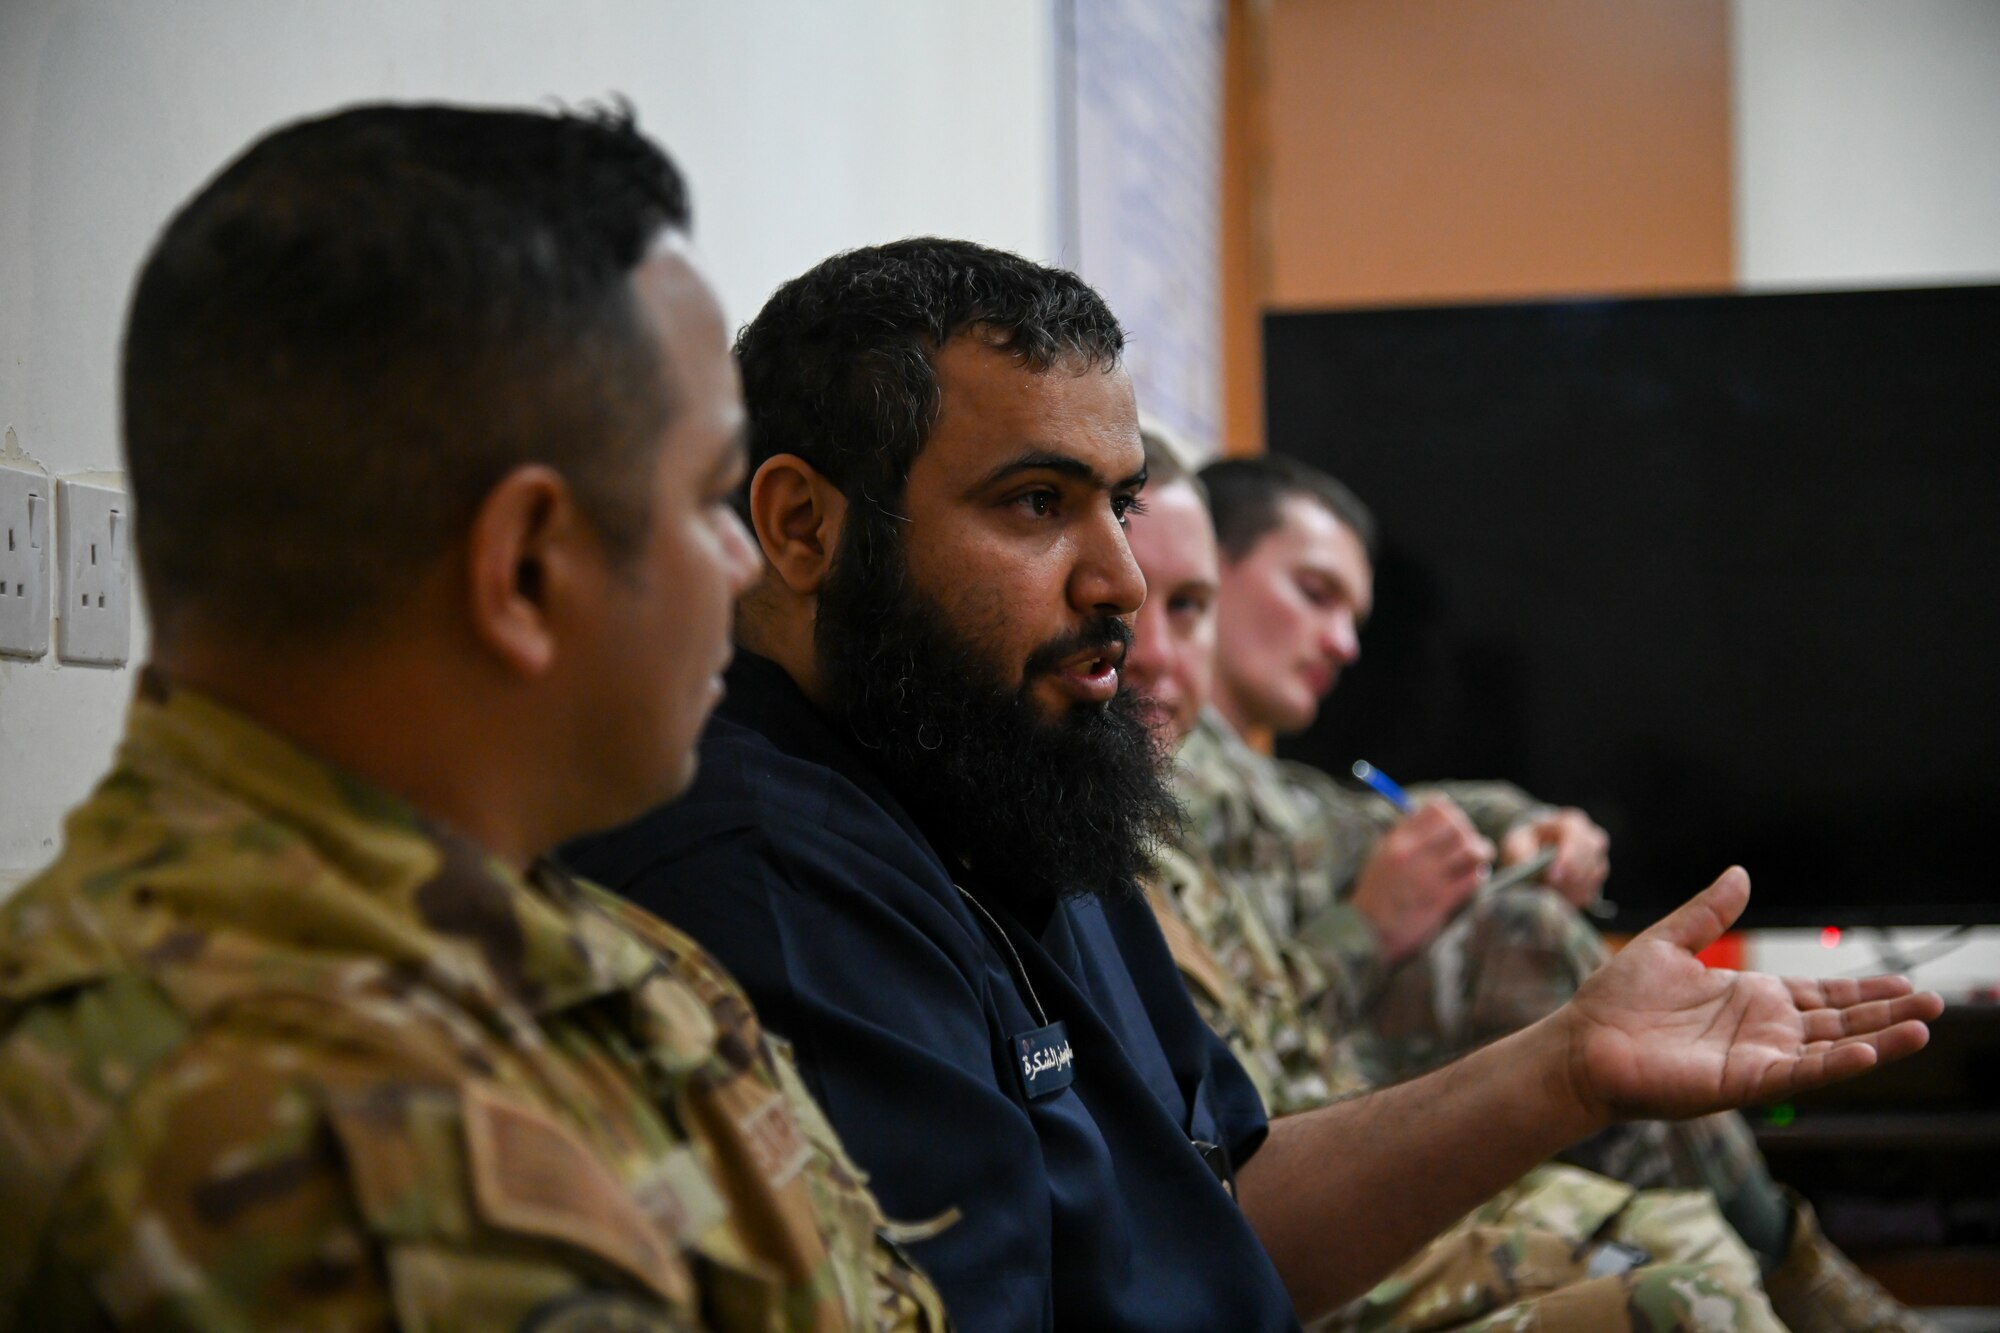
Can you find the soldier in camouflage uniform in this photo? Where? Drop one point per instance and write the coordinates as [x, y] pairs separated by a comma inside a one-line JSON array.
[[279, 1050], [1516, 948], [283, 1044], [1561, 1248]]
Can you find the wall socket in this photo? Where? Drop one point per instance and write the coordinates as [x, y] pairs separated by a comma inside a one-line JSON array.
[[94, 617], [26, 501]]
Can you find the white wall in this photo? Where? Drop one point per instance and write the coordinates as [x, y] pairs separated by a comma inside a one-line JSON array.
[[806, 126], [1867, 142]]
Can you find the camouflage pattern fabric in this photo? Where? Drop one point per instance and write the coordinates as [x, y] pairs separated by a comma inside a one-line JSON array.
[[274, 1052], [1531, 1258], [1293, 840], [1561, 1249]]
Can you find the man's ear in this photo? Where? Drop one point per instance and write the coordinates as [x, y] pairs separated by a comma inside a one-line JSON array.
[[527, 550], [797, 514]]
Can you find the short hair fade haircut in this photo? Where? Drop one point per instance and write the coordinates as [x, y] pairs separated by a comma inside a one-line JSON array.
[[1165, 461], [838, 367], [1244, 495], [349, 335]]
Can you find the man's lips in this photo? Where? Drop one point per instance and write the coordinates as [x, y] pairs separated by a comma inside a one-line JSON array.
[[1091, 675]]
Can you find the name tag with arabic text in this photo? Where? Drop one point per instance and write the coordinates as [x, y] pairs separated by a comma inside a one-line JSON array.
[[1046, 1062]]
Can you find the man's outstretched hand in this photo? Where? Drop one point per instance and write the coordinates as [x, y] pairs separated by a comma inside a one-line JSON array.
[[1655, 1034]]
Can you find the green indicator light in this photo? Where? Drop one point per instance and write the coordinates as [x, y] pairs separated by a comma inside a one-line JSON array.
[[1784, 1113]]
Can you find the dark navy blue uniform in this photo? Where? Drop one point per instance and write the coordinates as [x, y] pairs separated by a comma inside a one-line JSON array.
[[1087, 1201]]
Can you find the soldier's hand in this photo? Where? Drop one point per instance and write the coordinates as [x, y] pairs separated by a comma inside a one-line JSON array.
[[1655, 1034], [1582, 853], [1419, 874]]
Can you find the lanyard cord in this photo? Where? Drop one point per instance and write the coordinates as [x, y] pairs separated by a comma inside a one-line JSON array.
[[1020, 969]]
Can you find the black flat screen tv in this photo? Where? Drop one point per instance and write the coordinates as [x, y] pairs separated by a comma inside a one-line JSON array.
[[1725, 571]]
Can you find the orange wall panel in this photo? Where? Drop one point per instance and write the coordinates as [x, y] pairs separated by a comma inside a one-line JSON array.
[[1439, 150], [1245, 232]]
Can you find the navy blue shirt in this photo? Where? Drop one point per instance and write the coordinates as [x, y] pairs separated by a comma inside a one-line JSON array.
[[1085, 1206]]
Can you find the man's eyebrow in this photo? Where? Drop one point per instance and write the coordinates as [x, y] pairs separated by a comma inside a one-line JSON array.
[[1040, 460], [1067, 465]]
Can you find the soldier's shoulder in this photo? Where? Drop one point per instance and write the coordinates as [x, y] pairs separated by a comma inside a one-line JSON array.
[[715, 1013], [117, 896], [1209, 778], [80, 1021], [1317, 790], [1210, 749]]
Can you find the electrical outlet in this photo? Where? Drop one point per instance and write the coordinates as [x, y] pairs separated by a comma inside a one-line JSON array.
[[94, 618], [25, 503]]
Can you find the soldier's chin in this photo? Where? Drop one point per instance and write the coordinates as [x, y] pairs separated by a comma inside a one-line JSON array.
[[1160, 723], [1290, 716]]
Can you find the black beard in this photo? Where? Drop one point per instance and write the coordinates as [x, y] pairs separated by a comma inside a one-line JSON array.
[[1033, 808]]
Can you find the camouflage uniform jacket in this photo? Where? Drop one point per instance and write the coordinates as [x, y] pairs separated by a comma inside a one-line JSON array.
[[1522, 1260], [1255, 993], [1294, 840], [274, 1052]]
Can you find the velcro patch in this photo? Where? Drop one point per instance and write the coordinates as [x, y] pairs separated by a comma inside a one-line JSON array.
[[533, 1174], [777, 1148]]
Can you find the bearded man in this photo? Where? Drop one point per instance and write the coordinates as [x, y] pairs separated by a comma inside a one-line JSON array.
[[924, 811]]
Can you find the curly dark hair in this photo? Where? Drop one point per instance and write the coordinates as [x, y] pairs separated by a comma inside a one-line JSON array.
[[838, 369], [342, 342]]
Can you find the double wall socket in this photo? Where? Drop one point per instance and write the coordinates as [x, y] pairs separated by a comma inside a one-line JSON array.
[[94, 617], [26, 499]]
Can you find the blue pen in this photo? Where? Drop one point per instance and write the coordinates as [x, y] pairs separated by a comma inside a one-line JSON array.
[[1384, 786]]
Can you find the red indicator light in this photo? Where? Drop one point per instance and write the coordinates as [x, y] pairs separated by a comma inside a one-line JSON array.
[[1829, 937]]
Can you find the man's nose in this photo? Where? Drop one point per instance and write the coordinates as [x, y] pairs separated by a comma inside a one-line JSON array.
[[1343, 639], [1106, 580], [1146, 660]]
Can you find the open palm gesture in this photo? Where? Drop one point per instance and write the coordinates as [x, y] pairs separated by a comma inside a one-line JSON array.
[[1655, 1034]]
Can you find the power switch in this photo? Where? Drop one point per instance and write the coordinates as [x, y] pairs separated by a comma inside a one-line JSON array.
[[95, 614], [24, 562]]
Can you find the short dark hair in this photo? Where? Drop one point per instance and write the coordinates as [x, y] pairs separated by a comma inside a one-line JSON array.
[[838, 366], [1164, 464], [1244, 495], [342, 342]]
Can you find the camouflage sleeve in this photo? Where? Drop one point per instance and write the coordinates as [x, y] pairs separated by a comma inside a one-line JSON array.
[[869, 1273], [1348, 952], [1493, 807], [257, 1179], [1340, 834]]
